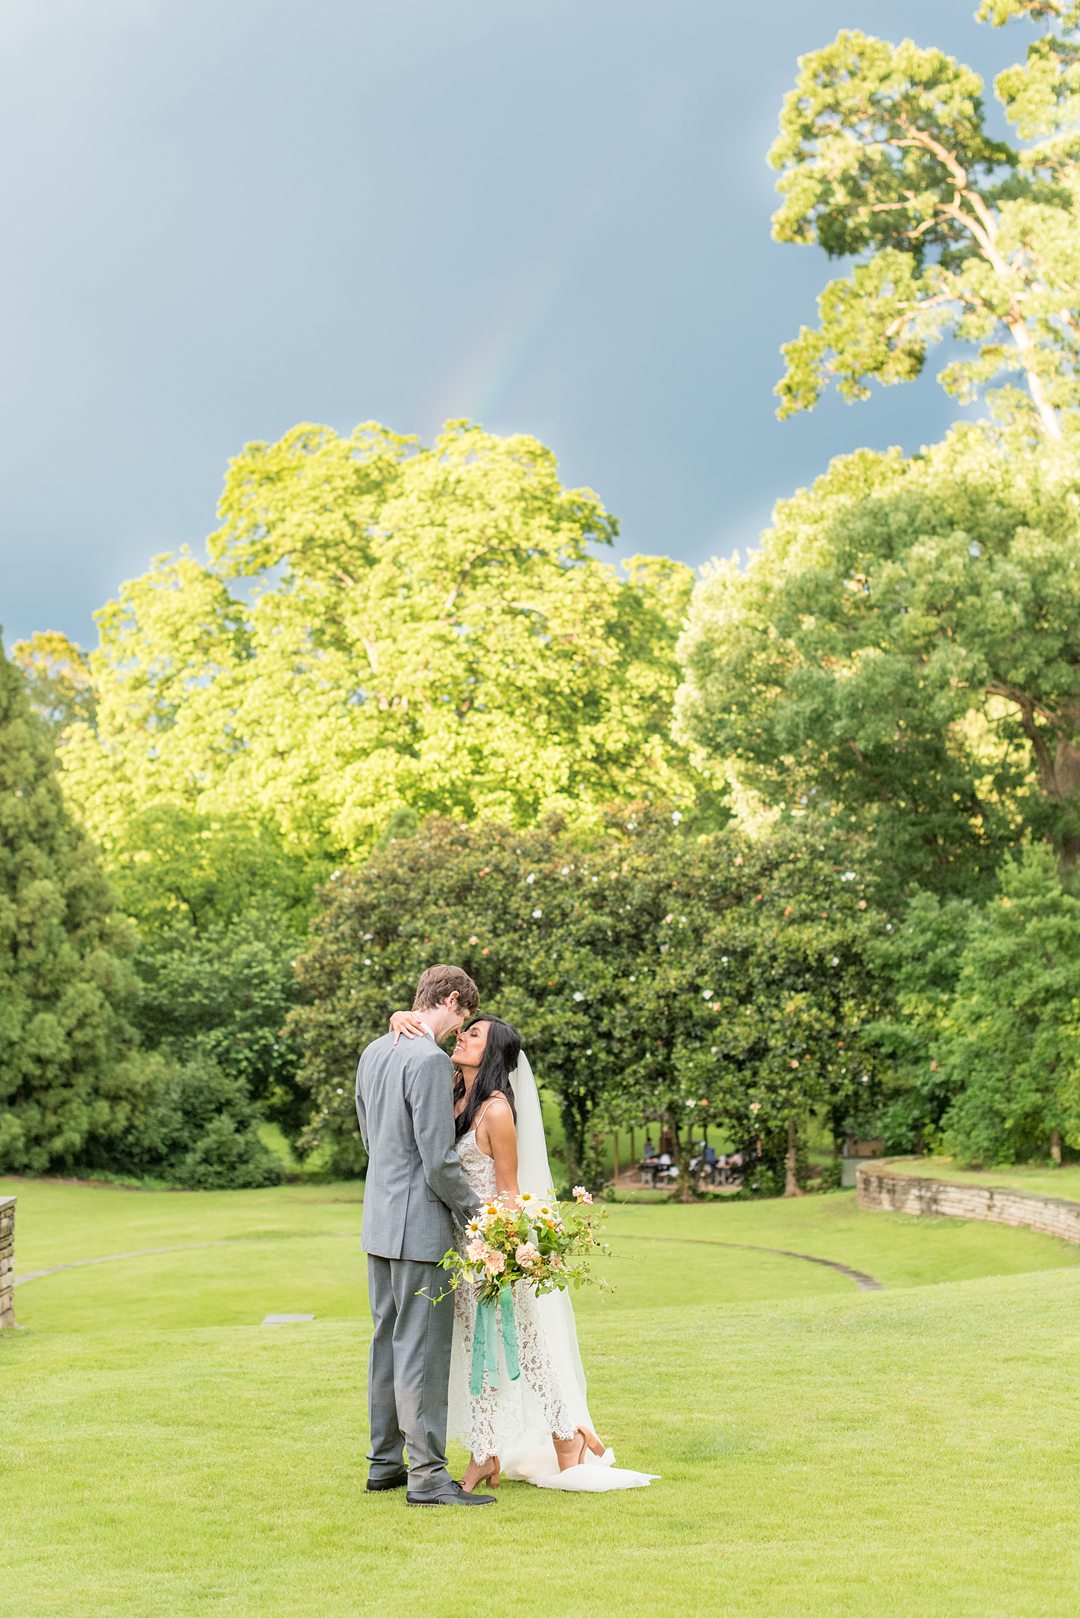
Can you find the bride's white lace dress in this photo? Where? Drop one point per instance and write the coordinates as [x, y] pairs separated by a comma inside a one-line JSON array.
[[516, 1420], [494, 1421]]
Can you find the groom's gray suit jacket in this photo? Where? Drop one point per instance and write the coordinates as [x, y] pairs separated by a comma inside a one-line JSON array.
[[414, 1178]]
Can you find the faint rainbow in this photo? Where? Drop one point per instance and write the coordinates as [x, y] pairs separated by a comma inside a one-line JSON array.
[[493, 363]]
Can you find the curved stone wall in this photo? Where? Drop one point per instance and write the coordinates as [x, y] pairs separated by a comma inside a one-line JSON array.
[[882, 1185], [7, 1262]]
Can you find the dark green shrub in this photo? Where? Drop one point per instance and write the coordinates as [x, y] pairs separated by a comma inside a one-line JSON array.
[[197, 1129]]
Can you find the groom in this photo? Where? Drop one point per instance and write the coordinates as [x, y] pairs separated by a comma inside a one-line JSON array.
[[414, 1183]]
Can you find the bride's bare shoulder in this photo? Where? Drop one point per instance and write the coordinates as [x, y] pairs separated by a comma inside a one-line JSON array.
[[498, 1115]]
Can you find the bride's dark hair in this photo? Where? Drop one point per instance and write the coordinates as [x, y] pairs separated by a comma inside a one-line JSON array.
[[499, 1060]]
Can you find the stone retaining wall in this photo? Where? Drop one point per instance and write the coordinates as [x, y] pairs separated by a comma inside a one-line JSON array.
[[7, 1261], [881, 1186]]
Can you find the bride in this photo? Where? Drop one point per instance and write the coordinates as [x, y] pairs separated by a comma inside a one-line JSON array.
[[536, 1428]]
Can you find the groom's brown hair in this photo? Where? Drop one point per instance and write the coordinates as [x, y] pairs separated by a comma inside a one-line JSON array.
[[438, 982]]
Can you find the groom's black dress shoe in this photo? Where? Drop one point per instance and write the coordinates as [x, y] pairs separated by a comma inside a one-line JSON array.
[[449, 1495], [397, 1480]]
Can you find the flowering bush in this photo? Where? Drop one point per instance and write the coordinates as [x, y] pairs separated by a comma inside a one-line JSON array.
[[670, 966], [543, 1241]]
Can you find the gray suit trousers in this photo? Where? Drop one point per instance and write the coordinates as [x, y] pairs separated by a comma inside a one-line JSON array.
[[408, 1370]]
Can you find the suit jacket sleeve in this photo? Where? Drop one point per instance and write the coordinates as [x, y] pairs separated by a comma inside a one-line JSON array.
[[428, 1086], [361, 1110]]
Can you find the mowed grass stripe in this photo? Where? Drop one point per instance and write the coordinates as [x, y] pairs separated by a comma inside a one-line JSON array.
[[897, 1453]]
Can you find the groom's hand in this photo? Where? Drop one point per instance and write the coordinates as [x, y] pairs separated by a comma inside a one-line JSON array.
[[407, 1023]]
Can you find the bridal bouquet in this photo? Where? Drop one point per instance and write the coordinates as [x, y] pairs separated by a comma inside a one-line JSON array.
[[543, 1241]]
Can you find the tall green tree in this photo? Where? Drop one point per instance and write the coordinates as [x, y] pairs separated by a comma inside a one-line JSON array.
[[902, 651], [66, 1081], [885, 158], [1010, 1045], [221, 909], [382, 626]]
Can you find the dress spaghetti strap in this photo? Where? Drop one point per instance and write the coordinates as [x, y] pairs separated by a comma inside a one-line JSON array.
[[483, 1109]]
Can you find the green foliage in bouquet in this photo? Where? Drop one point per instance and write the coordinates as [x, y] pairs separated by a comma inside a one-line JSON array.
[[549, 1244]]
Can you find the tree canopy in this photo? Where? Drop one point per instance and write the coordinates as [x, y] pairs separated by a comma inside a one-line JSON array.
[[656, 971], [902, 651], [885, 157], [379, 626]]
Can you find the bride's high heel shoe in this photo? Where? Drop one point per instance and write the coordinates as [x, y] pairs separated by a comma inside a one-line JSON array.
[[491, 1473], [571, 1451]]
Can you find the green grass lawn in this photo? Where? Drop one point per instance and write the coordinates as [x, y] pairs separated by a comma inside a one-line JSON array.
[[824, 1451], [1040, 1177]]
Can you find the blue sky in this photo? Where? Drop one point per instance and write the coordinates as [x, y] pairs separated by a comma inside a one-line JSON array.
[[225, 218]]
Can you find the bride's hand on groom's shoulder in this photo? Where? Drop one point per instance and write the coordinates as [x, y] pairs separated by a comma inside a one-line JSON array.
[[407, 1023]]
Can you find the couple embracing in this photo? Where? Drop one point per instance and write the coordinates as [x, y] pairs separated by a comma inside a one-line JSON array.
[[445, 1135]]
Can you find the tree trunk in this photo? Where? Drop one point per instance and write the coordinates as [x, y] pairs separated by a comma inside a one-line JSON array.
[[1055, 1146], [575, 1130], [1025, 343], [792, 1188], [1066, 779], [1055, 744], [682, 1159]]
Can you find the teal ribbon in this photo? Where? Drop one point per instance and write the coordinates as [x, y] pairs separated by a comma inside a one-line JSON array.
[[485, 1345]]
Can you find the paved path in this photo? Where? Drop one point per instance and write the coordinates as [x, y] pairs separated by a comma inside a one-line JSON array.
[[187, 1247], [866, 1283]]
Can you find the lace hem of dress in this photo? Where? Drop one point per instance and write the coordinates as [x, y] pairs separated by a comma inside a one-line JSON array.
[[500, 1417]]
